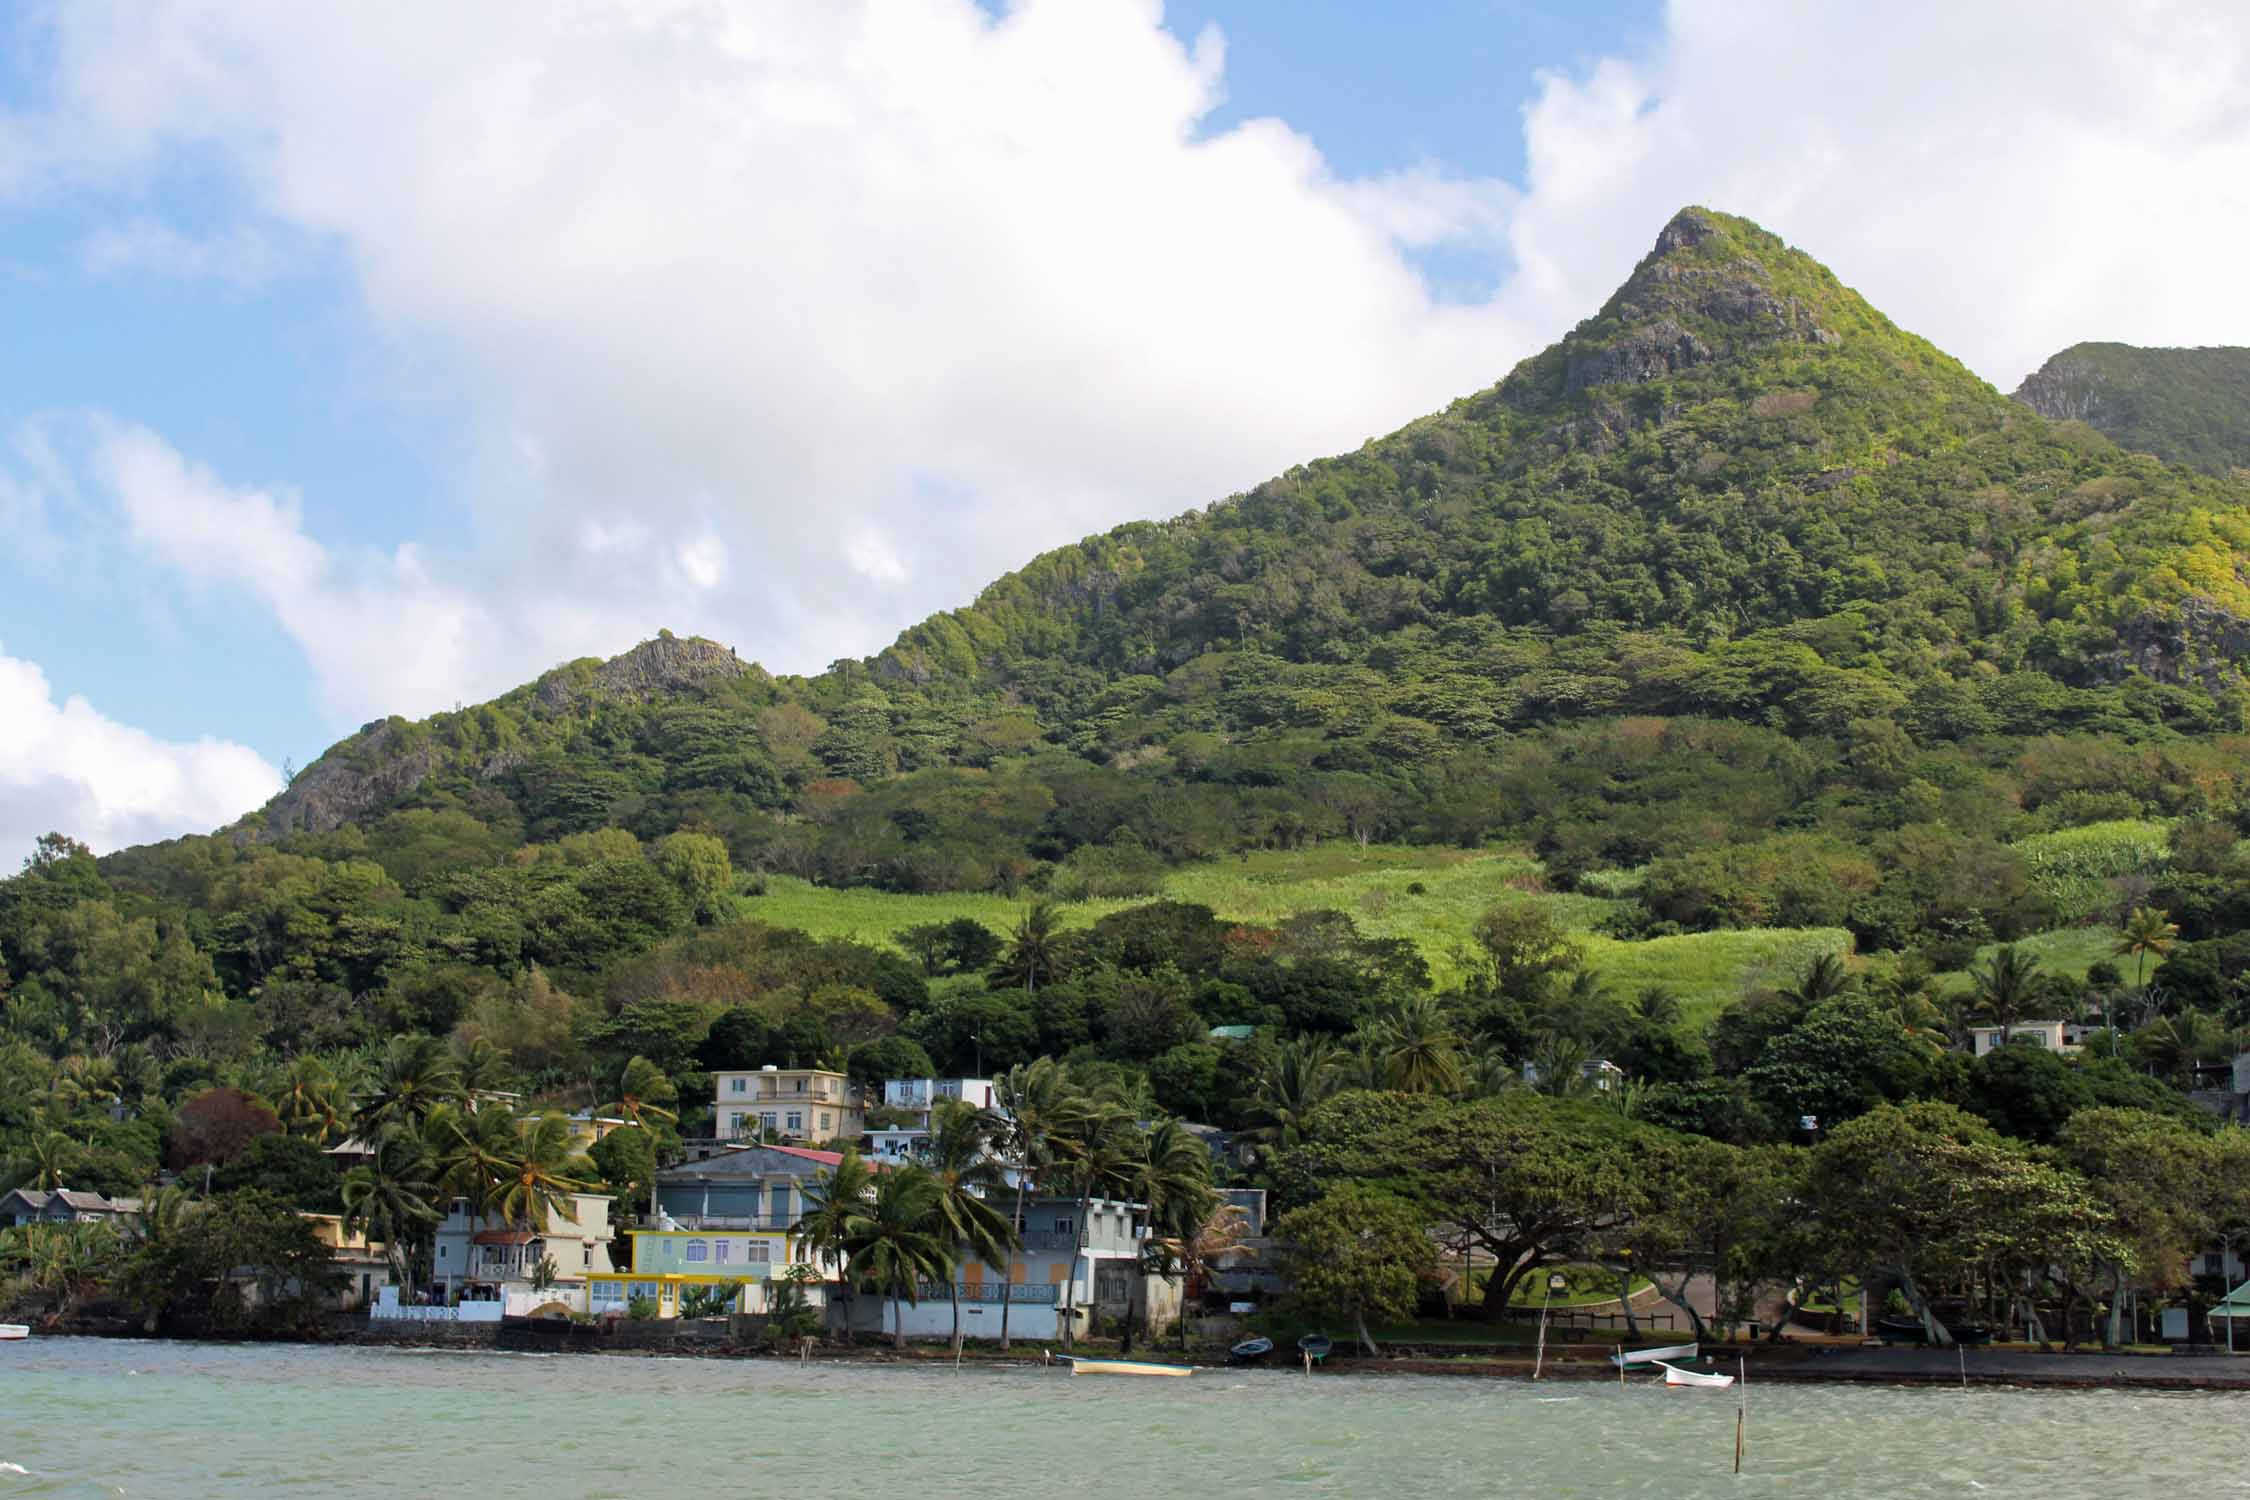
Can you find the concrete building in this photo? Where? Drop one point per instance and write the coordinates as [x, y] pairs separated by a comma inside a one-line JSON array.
[[1091, 1268], [483, 1259], [670, 1264], [2065, 1037], [796, 1104], [918, 1099]]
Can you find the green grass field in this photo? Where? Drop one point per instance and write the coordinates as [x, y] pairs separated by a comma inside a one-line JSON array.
[[2068, 951], [1375, 886]]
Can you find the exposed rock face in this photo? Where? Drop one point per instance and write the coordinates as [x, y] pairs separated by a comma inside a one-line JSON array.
[[2186, 406], [653, 669], [350, 781]]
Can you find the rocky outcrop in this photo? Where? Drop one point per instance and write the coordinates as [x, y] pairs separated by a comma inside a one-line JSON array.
[[664, 667], [365, 773]]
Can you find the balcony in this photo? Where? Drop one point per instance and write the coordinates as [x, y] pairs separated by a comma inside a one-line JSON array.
[[1020, 1293], [1040, 1239], [731, 1221]]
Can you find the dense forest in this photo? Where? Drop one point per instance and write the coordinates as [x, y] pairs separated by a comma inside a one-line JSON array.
[[1739, 608], [2186, 406]]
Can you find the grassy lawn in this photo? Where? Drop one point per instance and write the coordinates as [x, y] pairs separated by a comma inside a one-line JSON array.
[[2068, 951], [1372, 885]]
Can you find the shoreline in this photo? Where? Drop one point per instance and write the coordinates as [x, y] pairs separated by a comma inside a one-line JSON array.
[[1990, 1369]]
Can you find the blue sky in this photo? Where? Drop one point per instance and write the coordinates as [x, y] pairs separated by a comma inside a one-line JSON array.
[[789, 325]]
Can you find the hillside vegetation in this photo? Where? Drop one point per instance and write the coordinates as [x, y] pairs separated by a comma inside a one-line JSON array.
[[2186, 406], [1722, 693]]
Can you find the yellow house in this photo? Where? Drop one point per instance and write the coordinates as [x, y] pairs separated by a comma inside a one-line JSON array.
[[668, 1264]]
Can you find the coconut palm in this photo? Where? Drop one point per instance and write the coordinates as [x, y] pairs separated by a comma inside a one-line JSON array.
[[388, 1198], [1421, 1053], [49, 1155], [1824, 979], [643, 1094], [1490, 1072], [959, 1160], [310, 1100], [1095, 1156], [473, 1149], [1036, 1104], [1172, 1178], [483, 1067], [833, 1202], [1297, 1076], [2172, 1046], [415, 1075], [1560, 1065], [897, 1242], [1657, 1005], [544, 1171], [2145, 932], [1216, 1242], [2003, 987], [1034, 950]]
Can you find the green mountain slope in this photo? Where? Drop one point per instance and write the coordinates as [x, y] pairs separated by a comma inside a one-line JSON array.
[[1738, 492], [2186, 406]]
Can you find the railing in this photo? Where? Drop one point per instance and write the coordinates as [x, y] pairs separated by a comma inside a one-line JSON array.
[[710, 1222], [1019, 1292], [1049, 1240]]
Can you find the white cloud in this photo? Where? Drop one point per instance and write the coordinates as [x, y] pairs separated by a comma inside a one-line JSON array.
[[244, 257], [789, 323], [64, 767]]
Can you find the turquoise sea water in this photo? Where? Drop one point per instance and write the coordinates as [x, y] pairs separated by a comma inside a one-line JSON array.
[[107, 1417]]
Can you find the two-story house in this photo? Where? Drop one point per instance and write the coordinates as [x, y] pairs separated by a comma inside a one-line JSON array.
[[917, 1099], [796, 1104], [722, 1220], [1082, 1263], [477, 1258]]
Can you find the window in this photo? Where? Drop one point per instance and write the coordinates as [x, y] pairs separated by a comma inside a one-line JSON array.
[[796, 1121], [441, 1252], [1062, 1226], [2214, 1264], [770, 1118], [698, 1250], [826, 1120], [606, 1294], [722, 1251], [738, 1085], [757, 1252]]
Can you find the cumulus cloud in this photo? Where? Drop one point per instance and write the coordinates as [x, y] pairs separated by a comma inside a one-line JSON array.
[[789, 323], [242, 256], [66, 767]]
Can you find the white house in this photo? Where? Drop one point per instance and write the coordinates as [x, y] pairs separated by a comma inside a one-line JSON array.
[[918, 1099], [2065, 1037], [479, 1258]]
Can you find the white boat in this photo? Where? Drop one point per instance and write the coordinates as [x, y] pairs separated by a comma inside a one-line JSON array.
[[1121, 1367], [1674, 1375], [1653, 1356], [14, 1331]]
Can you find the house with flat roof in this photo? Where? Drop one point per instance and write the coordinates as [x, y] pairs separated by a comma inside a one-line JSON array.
[[917, 1100], [2065, 1037], [795, 1104], [474, 1257]]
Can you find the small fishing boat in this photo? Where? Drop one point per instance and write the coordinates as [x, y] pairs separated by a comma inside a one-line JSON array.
[[14, 1331], [1674, 1375], [1250, 1349], [1316, 1345], [1653, 1356], [1901, 1331], [1121, 1367], [1972, 1335]]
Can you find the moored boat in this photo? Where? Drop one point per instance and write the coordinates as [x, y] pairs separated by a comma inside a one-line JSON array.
[[1315, 1345], [1674, 1375], [14, 1331], [1250, 1349], [1121, 1367], [1901, 1331], [1653, 1356]]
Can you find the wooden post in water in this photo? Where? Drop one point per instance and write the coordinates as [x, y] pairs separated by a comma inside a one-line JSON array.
[[1308, 1361], [1741, 1406], [1962, 1354]]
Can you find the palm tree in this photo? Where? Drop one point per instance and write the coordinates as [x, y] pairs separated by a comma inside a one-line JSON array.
[[388, 1197], [1658, 1006], [544, 1171], [896, 1243], [483, 1067], [2145, 932], [1421, 1053], [2003, 986], [1297, 1076], [1490, 1073], [310, 1100], [1036, 1104], [1912, 1000], [415, 1076], [50, 1156], [833, 1203], [1194, 1255], [643, 1092], [1824, 979], [473, 1149], [960, 1162], [1560, 1063], [2171, 1046], [1172, 1179], [1096, 1156], [1034, 951]]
